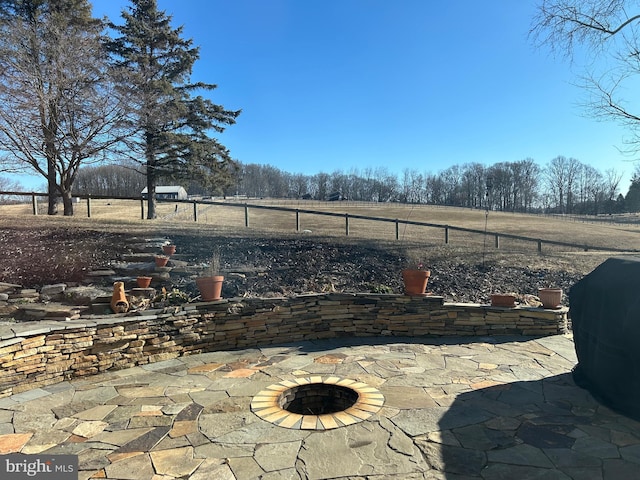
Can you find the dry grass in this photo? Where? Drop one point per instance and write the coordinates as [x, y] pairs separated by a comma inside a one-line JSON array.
[[603, 235], [125, 216]]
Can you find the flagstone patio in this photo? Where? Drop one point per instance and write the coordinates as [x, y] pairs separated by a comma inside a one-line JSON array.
[[454, 408]]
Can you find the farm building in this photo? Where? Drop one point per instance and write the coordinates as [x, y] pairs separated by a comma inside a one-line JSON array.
[[169, 192], [336, 196]]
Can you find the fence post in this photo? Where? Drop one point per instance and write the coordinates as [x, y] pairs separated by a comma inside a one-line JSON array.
[[88, 206], [497, 241], [297, 220], [34, 203], [246, 215], [446, 235], [397, 230], [195, 210], [539, 246], [346, 224], [142, 208]]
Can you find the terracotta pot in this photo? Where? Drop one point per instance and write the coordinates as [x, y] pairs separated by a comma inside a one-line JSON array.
[[501, 300], [415, 281], [169, 249], [210, 287], [119, 303], [550, 297], [143, 282], [161, 261]]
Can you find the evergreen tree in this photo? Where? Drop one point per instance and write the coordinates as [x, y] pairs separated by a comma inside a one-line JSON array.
[[632, 200], [174, 125]]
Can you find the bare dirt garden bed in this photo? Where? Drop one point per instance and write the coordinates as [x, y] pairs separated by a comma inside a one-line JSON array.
[[39, 251]]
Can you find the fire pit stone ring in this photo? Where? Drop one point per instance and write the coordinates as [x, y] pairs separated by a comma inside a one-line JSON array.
[[317, 403]]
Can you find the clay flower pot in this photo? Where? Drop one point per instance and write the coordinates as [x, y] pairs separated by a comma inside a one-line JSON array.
[[143, 282], [550, 297], [169, 249], [415, 281], [210, 287], [501, 300], [119, 303], [161, 260]]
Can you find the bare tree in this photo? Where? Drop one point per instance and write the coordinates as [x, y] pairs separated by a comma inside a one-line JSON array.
[[298, 185], [561, 176], [436, 189], [263, 181], [321, 181], [58, 107], [451, 181], [474, 185], [609, 31], [7, 185], [589, 190], [529, 173], [501, 182], [116, 179], [411, 186], [612, 180]]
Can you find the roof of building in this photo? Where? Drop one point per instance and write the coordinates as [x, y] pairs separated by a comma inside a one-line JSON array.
[[166, 189]]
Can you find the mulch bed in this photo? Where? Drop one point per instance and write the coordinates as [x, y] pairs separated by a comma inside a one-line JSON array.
[[272, 265]]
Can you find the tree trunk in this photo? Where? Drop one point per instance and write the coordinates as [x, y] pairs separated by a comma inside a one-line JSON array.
[[52, 190], [152, 179], [67, 201], [52, 186], [49, 128], [152, 202]]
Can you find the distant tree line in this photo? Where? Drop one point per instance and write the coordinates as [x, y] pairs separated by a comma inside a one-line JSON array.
[[564, 185]]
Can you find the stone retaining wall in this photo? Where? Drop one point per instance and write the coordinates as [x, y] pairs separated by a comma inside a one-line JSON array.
[[35, 354]]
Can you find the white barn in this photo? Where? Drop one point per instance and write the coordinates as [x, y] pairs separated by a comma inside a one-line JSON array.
[[169, 192]]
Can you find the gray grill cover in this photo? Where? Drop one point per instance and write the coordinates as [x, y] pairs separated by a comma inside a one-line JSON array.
[[605, 312]]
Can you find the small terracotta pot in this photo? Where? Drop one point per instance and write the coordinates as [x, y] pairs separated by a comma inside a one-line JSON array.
[[415, 281], [501, 300], [119, 303], [169, 249], [210, 287], [161, 261], [143, 282], [550, 297]]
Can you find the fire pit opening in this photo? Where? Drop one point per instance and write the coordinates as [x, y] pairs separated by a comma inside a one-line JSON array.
[[317, 403], [317, 399]]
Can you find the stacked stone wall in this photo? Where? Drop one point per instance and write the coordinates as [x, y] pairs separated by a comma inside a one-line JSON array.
[[36, 354]]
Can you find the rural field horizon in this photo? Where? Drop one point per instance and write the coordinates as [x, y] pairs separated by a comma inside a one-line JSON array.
[[580, 230]]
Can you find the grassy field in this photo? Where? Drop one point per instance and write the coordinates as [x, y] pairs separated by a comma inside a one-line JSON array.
[[597, 234]]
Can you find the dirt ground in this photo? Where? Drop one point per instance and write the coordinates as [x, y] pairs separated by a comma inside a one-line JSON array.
[[267, 264]]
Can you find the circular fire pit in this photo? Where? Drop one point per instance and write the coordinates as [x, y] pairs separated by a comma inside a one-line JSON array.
[[317, 403]]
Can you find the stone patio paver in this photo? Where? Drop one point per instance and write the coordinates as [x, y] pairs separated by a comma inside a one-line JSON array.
[[455, 408], [13, 442]]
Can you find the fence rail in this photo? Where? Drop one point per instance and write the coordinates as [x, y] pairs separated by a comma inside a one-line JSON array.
[[497, 236]]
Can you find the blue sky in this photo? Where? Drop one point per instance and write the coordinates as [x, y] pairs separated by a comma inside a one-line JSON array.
[[329, 85]]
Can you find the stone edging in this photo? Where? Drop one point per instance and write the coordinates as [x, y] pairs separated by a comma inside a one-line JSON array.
[[36, 354]]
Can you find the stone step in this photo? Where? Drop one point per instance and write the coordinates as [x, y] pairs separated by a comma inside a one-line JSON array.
[[138, 257], [101, 273], [55, 311], [9, 287], [152, 246]]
